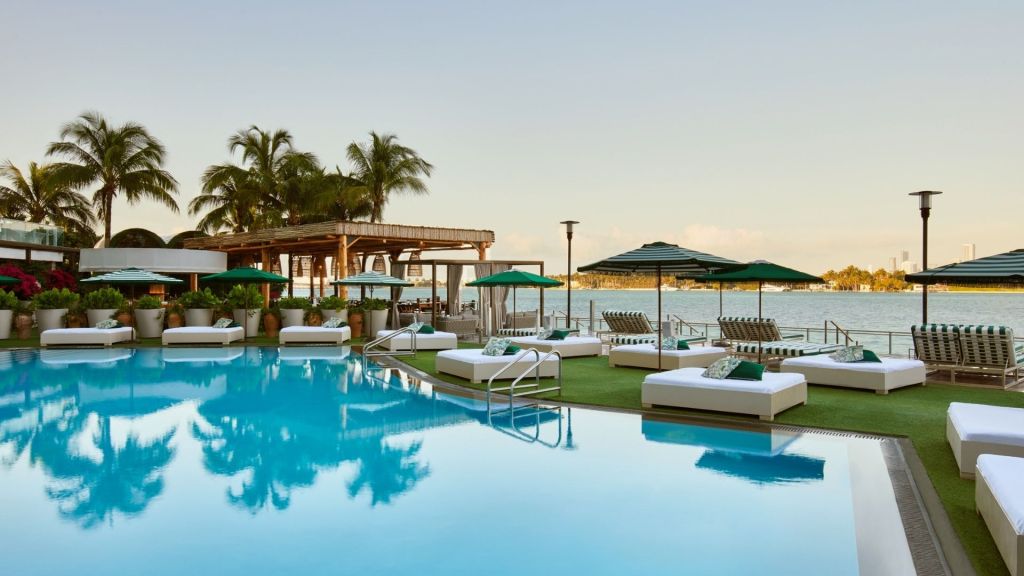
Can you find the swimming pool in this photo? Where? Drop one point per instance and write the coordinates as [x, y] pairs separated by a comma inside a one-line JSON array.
[[254, 461]]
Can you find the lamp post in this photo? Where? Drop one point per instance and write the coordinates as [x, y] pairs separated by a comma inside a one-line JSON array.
[[925, 204], [568, 284]]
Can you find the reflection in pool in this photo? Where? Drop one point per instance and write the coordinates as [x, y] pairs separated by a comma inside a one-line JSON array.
[[259, 461]]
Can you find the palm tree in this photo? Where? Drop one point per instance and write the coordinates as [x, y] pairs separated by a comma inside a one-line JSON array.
[[230, 199], [336, 196], [383, 166], [123, 160], [40, 195]]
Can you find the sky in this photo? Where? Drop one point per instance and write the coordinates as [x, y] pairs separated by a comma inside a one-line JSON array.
[[789, 131]]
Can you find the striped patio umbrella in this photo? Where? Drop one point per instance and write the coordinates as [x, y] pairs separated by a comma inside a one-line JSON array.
[[131, 276], [661, 258], [372, 279], [1006, 268]]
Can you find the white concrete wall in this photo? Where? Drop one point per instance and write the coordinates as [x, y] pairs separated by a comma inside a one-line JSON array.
[[168, 260]]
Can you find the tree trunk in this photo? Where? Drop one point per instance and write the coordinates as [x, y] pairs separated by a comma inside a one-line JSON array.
[[108, 201]]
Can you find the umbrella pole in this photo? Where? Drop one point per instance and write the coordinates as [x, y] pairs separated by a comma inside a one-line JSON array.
[[720, 300], [660, 326], [759, 321], [513, 307]]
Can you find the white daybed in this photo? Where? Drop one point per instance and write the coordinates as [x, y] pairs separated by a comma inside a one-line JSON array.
[[570, 347], [687, 388], [85, 336], [974, 429], [646, 356], [999, 498], [472, 365], [436, 341], [313, 335], [192, 335], [889, 374]]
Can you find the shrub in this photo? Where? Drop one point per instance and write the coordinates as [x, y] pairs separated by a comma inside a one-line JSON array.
[[55, 299], [332, 303], [148, 302], [28, 287], [202, 299], [376, 304], [8, 300], [248, 296], [294, 303], [58, 278], [103, 299]]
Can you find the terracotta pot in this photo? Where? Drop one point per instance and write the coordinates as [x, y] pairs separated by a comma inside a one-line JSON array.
[[125, 318], [23, 325], [174, 320], [271, 325], [355, 323], [315, 319], [76, 321]]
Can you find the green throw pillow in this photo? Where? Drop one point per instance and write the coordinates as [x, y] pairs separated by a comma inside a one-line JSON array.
[[425, 329], [747, 371], [870, 356], [682, 345], [511, 350], [557, 335]]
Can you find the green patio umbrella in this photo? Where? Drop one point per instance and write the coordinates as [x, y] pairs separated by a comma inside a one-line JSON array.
[[515, 278], [245, 275], [761, 271], [8, 281], [661, 258]]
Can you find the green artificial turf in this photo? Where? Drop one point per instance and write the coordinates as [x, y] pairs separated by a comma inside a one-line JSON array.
[[917, 412]]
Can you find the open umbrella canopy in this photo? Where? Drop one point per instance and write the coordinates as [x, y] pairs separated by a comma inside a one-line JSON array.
[[760, 271], [131, 276], [8, 281], [245, 275], [661, 256], [1006, 268], [515, 278], [371, 279]]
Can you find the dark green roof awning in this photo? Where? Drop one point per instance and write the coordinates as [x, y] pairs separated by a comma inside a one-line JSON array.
[[1006, 268]]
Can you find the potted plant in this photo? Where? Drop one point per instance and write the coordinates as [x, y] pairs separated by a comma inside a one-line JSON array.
[[375, 317], [52, 306], [8, 306], [293, 310], [245, 303], [149, 316], [199, 307], [124, 314], [175, 315], [23, 320], [271, 322], [355, 320], [334, 307], [77, 316], [102, 304]]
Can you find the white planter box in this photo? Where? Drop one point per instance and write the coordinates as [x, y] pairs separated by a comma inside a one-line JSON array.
[[50, 319], [250, 321], [377, 321], [6, 318], [198, 317], [292, 318], [99, 314], [150, 322]]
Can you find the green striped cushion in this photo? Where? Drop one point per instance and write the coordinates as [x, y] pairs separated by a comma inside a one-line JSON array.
[[786, 349]]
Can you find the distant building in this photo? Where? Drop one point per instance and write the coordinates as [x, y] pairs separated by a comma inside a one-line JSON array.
[[892, 264], [909, 267], [967, 252], [904, 257]]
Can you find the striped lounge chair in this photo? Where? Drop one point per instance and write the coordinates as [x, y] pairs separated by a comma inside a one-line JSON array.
[[975, 349], [629, 327], [752, 329], [783, 349]]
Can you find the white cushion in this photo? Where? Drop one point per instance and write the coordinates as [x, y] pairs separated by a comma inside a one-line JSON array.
[[1003, 475], [887, 365], [691, 377], [569, 347], [984, 423], [476, 356], [652, 349]]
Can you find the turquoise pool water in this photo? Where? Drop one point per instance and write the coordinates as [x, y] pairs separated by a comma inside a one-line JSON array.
[[258, 461]]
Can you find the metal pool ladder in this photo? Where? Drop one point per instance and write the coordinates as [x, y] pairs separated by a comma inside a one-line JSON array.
[[531, 388], [369, 349]]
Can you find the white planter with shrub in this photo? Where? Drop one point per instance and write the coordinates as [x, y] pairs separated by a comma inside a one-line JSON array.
[[149, 317]]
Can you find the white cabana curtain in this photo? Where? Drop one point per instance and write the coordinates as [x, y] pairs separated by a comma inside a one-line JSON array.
[[454, 297], [398, 271], [492, 314]]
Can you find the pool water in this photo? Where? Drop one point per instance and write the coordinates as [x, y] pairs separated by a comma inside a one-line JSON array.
[[255, 461]]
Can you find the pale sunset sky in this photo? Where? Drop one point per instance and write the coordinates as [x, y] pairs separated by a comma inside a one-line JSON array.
[[789, 131]]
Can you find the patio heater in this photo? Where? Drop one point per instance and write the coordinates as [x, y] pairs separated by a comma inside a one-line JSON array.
[[568, 283], [925, 204]]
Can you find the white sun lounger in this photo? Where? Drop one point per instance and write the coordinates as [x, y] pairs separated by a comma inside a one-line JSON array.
[[999, 498], [192, 335], [472, 365], [436, 341], [646, 356], [687, 388], [570, 347], [889, 374], [85, 336], [313, 335], [974, 429]]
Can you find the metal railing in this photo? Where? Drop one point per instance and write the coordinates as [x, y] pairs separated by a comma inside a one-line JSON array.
[[369, 347], [534, 367]]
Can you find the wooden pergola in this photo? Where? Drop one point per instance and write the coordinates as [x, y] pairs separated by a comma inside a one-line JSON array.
[[349, 245]]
